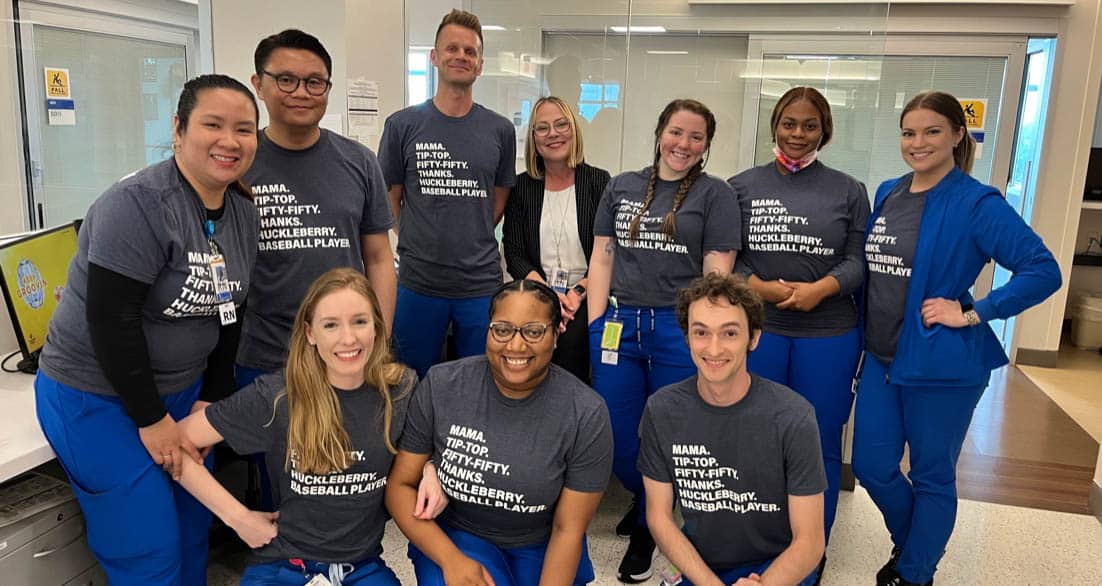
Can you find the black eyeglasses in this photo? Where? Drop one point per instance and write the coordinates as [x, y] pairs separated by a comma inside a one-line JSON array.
[[561, 126], [504, 332], [287, 83]]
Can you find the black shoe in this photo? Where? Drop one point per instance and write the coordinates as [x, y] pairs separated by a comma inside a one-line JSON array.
[[887, 574], [639, 559], [899, 581], [819, 572], [626, 525]]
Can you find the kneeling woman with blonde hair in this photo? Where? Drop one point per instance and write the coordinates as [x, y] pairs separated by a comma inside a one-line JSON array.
[[328, 427]]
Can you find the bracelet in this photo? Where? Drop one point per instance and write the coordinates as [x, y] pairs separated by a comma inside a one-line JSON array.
[[972, 318]]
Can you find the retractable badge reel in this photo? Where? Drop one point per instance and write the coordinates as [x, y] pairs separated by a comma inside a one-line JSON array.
[[610, 336], [227, 313], [315, 580]]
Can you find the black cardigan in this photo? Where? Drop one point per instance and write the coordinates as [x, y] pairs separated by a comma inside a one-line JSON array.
[[521, 234]]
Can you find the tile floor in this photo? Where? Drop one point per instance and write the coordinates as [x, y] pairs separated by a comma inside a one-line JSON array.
[[992, 544]]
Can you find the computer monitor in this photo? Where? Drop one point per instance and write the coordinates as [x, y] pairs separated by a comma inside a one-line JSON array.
[[34, 269], [1093, 188]]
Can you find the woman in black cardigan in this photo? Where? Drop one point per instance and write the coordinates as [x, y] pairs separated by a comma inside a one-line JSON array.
[[548, 234]]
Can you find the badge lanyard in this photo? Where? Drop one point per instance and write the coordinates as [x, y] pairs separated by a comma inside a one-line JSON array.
[[227, 313], [560, 277]]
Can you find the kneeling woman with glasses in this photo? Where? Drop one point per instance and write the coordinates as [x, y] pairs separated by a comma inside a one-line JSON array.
[[522, 448]]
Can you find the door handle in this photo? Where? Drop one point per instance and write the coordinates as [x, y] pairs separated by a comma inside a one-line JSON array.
[[46, 552]]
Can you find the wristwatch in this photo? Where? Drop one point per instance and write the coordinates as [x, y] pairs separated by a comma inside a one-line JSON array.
[[579, 289], [970, 315]]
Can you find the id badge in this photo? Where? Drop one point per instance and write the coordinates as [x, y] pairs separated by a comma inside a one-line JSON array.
[[610, 337], [319, 580], [560, 279], [610, 357], [219, 277], [227, 313]]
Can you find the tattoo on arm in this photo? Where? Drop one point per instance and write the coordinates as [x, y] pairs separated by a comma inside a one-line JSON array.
[[610, 247]]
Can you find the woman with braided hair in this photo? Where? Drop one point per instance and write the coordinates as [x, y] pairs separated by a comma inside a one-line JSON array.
[[656, 230]]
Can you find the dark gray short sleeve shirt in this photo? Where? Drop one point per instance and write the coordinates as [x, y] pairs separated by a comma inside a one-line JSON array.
[[150, 227], [732, 468], [504, 462], [889, 251], [648, 270], [802, 227], [448, 168], [337, 517], [315, 206]]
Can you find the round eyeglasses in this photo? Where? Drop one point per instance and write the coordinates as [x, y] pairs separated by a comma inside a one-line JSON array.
[[561, 126], [504, 332], [287, 83]]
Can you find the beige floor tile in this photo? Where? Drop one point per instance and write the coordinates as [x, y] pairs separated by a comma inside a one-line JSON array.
[[1075, 385]]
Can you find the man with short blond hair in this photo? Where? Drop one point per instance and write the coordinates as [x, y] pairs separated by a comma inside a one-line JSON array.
[[449, 163]]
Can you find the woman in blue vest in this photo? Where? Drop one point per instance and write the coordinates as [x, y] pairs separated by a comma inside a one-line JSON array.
[[929, 350]]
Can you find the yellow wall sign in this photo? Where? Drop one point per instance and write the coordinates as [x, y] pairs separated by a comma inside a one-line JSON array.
[[975, 113], [57, 83]]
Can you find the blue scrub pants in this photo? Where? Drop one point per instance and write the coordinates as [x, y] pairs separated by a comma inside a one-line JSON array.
[[653, 354], [421, 324], [732, 575], [143, 528], [512, 566], [370, 572], [932, 421], [821, 370]]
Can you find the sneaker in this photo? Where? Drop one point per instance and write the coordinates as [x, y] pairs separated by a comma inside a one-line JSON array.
[[639, 559], [627, 525], [887, 574]]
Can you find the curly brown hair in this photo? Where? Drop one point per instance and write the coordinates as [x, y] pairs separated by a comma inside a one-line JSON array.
[[714, 286]]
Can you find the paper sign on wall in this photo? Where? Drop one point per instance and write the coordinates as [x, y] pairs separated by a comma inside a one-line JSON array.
[[363, 110], [975, 118], [60, 110]]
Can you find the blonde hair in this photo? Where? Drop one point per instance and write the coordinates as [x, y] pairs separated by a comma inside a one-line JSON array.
[[316, 434], [533, 161]]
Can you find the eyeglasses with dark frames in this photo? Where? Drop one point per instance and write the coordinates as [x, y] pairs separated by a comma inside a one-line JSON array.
[[287, 83], [504, 332]]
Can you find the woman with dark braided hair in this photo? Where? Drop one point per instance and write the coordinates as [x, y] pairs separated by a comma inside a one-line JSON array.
[[656, 230]]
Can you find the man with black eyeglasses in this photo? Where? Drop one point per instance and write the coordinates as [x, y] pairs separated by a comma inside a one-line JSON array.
[[322, 201]]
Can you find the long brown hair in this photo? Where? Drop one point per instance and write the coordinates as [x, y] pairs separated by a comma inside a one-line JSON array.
[[668, 227], [316, 434], [964, 154]]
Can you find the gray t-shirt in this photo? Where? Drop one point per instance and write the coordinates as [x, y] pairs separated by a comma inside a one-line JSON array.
[[504, 462], [150, 227], [448, 168], [802, 227], [889, 251], [315, 206], [649, 270], [732, 468], [336, 517]]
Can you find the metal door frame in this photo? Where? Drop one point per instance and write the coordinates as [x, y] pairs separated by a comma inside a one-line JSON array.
[[34, 98]]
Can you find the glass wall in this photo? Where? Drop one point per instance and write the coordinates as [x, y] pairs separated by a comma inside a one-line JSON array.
[[620, 61]]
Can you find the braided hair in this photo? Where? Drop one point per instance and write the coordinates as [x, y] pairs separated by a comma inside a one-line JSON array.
[[668, 223]]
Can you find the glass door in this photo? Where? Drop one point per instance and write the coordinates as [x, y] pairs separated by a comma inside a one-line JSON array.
[[100, 94], [1021, 188]]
